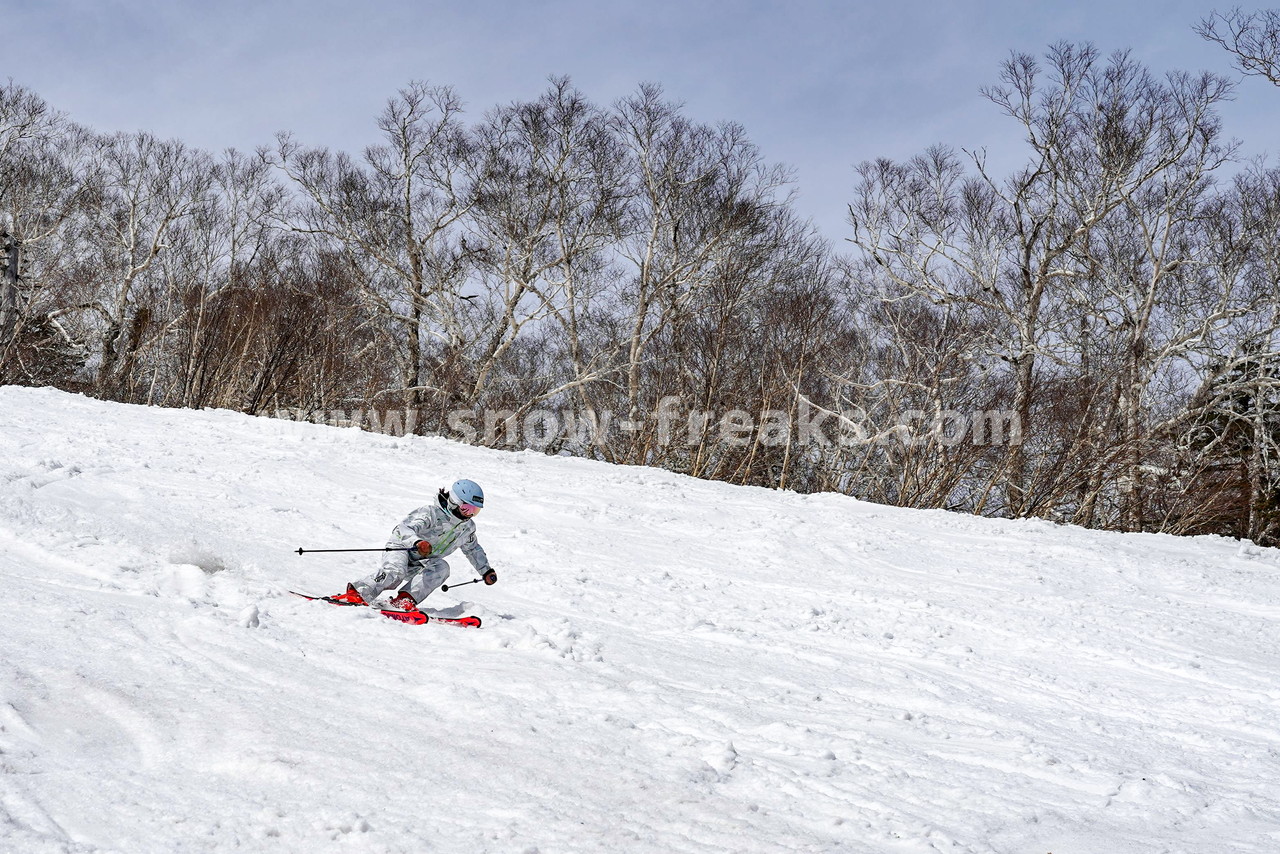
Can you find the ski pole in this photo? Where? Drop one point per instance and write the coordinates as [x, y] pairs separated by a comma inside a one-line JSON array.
[[447, 587], [303, 551]]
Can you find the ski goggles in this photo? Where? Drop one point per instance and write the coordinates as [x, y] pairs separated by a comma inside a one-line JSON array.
[[468, 510]]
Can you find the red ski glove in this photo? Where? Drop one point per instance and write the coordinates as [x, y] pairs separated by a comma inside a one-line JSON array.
[[490, 577], [422, 547]]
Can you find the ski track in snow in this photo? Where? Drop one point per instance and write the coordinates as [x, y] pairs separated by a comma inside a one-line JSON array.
[[667, 665]]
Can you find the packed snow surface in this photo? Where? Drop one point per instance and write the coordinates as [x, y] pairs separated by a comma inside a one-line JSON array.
[[666, 664]]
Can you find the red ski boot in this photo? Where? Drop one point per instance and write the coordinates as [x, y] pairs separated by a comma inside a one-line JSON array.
[[351, 597], [402, 601]]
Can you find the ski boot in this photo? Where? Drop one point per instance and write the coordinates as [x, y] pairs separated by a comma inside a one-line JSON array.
[[351, 597], [402, 601]]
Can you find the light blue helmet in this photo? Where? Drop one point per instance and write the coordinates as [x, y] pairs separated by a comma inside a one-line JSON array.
[[466, 498]]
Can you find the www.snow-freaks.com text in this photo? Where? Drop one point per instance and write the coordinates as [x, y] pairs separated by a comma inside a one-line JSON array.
[[672, 423]]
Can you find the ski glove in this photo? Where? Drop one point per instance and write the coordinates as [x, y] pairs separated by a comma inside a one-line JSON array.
[[422, 547], [490, 577]]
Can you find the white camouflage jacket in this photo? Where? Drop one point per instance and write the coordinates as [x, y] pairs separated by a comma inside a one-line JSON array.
[[435, 524]]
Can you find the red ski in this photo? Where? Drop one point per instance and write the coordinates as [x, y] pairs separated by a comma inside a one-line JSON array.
[[417, 618]]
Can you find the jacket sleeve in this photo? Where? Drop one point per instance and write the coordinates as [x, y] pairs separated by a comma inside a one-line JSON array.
[[475, 553]]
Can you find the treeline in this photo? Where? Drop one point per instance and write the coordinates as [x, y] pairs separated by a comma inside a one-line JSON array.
[[1091, 339]]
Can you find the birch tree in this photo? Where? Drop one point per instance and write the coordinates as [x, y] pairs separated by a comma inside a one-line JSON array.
[[42, 185], [696, 194], [394, 214], [1252, 39], [1105, 136], [549, 205], [148, 186]]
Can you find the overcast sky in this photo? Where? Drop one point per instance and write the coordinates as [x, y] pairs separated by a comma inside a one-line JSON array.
[[820, 86]]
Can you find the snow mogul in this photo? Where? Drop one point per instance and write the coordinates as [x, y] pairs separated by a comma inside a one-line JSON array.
[[415, 561]]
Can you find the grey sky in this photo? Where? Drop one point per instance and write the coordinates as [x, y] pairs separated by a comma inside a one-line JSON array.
[[818, 85]]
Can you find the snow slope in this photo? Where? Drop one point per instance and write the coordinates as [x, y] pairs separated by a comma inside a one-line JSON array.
[[667, 665]]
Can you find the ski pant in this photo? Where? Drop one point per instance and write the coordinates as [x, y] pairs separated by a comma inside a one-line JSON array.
[[419, 577]]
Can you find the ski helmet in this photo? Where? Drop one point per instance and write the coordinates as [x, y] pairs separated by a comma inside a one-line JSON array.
[[466, 498]]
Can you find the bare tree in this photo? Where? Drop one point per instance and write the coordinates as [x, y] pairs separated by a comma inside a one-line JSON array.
[[1106, 138], [1159, 270], [550, 199], [288, 335], [146, 188], [698, 193], [394, 214], [1228, 433], [1253, 39], [221, 246], [41, 187]]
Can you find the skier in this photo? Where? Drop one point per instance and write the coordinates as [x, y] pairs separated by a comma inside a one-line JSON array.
[[421, 543]]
